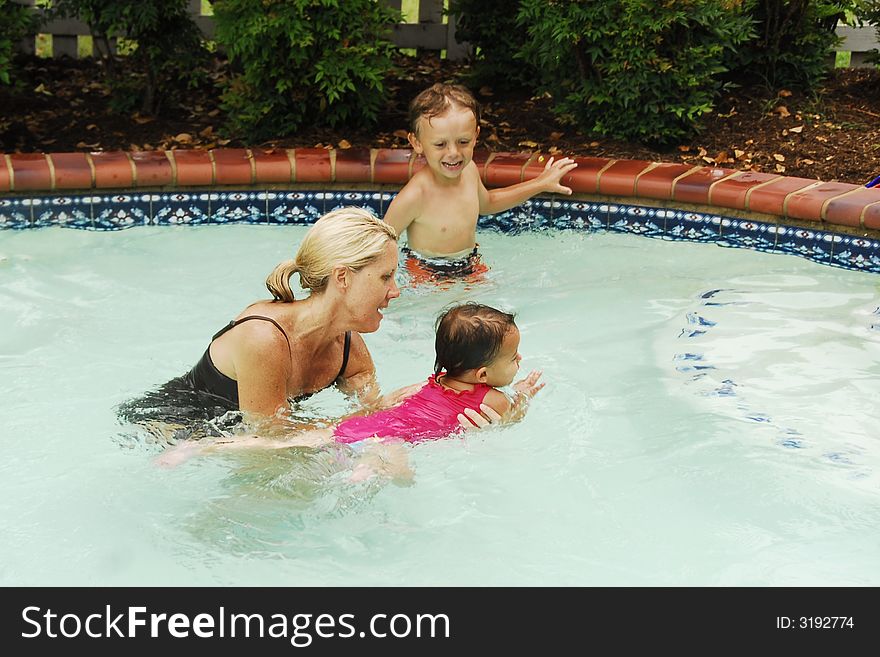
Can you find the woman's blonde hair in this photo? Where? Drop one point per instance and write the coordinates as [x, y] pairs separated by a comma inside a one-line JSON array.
[[348, 237]]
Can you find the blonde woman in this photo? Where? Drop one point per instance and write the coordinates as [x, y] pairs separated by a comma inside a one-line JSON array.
[[285, 348]]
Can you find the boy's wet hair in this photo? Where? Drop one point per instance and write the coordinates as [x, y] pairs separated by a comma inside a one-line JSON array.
[[436, 99], [469, 336]]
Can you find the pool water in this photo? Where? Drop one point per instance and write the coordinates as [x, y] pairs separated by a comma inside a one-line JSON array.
[[709, 419]]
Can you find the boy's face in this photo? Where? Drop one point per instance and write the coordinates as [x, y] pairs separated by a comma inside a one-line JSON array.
[[503, 368], [447, 141]]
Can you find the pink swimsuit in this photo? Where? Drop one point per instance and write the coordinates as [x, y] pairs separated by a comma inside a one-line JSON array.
[[430, 413]]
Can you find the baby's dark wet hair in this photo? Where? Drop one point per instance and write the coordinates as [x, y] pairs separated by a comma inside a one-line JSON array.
[[469, 336], [436, 99]]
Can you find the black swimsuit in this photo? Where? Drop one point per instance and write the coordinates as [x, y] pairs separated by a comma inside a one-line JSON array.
[[206, 378], [204, 393]]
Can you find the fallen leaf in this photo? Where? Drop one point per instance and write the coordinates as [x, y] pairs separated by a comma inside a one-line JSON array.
[[780, 168], [749, 141], [738, 154], [708, 160], [807, 162], [721, 158], [553, 150], [703, 152], [213, 113], [401, 134], [41, 89], [83, 144], [344, 144], [785, 132], [493, 138], [207, 133], [684, 148], [594, 144], [779, 157], [784, 93], [485, 90], [797, 129], [782, 111], [183, 138], [142, 119], [528, 144], [91, 126], [223, 142]]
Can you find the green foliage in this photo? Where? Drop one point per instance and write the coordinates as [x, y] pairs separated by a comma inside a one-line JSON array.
[[490, 26], [18, 21], [794, 42], [167, 54], [868, 12], [632, 69], [302, 62]]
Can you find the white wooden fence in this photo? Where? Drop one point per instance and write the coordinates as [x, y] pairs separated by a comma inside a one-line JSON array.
[[433, 31]]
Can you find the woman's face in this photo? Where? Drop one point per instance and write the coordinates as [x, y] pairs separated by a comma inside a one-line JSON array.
[[372, 289]]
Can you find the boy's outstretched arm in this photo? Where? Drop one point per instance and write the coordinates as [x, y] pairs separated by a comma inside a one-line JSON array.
[[504, 198]]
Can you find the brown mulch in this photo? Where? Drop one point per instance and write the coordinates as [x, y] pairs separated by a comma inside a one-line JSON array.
[[62, 105]]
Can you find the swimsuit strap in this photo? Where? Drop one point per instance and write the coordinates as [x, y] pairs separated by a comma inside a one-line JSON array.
[[345, 351], [236, 322]]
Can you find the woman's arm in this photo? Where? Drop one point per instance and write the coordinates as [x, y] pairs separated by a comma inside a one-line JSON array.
[[261, 359], [359, 381]]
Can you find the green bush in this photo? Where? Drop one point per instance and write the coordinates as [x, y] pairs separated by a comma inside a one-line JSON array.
[[303, 62], [868, 11], [165, 59], [18, 21], [491, 27], [793, 45], [632, 69]]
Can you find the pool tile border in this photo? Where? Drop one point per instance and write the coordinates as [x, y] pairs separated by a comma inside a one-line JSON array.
[[832, 222]]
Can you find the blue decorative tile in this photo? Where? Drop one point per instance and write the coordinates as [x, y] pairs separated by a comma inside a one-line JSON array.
[[66, 211], [744, 233], [858, 253], [574, 215], [14, 214], [634, 219], [296, 208], [120, 211], [181, 208], [235, 207], [367, 200]]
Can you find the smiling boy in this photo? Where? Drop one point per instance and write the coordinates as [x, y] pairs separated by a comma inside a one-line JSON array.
[[438, 208]]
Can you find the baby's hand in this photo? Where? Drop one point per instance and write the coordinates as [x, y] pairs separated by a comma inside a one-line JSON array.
[[529, 386], [553, 173]]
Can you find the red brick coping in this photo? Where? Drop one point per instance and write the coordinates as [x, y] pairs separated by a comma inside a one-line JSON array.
[[827, 205]]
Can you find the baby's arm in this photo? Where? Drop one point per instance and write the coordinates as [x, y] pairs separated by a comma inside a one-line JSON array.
[[514, 410], [504, 198]]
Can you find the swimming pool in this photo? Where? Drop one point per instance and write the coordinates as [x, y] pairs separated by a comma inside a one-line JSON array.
[[708, 417]]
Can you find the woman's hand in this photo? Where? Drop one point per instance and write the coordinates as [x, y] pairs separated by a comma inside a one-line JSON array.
[[486, 417]]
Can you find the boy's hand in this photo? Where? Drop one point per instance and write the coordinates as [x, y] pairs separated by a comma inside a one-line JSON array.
[[553, 173]]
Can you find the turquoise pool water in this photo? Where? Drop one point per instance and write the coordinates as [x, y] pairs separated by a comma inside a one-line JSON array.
[[709, 419]]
